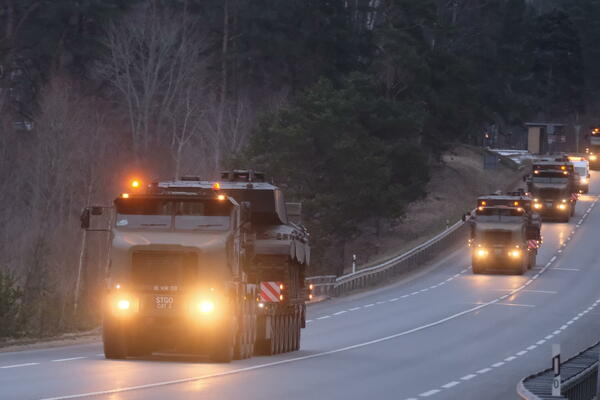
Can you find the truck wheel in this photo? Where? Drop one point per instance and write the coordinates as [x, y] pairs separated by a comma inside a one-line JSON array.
[[477, 269], [297, 328], [532, 260], [222, 350], [138, 347], [114, 339]]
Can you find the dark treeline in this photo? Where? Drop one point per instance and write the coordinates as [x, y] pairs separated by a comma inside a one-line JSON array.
[[346, 103]]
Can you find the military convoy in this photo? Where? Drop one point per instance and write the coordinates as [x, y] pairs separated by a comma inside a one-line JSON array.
[[205, 267]]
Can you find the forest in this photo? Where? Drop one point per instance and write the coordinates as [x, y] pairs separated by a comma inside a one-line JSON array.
[[345, 103]]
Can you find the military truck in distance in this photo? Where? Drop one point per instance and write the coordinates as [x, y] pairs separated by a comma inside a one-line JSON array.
[[276, 254], [554, 186], [593, 148], [505, 234], [500, 241], [175, 280]]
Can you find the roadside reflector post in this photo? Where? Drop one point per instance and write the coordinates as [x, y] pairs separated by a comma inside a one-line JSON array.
[[353, 263], [556, 382]]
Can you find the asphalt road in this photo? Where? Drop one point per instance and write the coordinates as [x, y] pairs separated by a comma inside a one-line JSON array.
[[443, 333]]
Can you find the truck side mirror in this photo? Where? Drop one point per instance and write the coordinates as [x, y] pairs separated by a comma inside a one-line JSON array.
[[294, 212], [85, 218], [524, 178], [245, 211], [97, 210]]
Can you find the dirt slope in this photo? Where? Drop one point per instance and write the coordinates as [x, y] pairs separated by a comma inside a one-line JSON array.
[[455, 183]]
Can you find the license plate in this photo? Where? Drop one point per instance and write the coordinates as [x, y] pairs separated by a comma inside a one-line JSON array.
[[497, 251], [164, 302], [548, 204]]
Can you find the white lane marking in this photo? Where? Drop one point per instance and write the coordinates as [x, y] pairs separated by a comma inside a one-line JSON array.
[[483, 371], [405, 296], [355, 308], [340, 312], [19, 365], [556, 332], [508, 359], [324, 317], [540, 342], [429, 393], [549, 337], [394, 299], [368, 305], [520, 353], [528, 290], [559, 251], [413, 293], [102, 354], [552, 259], [380, 302], [498, 364], [308, 321], [467, 377], [566, 269], [68, 359], [423, 290], [533, 346], [450, 384], [513, 305], [562, 328]]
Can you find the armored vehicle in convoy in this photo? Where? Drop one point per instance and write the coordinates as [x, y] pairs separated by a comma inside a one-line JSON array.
[[505, 234], [554, 186], [195, 270], [276, 253]]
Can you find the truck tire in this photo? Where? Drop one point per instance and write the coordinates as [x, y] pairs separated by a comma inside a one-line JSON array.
[[222, 350], [532, 260], [138, 347], [114, 339], [477, 269]]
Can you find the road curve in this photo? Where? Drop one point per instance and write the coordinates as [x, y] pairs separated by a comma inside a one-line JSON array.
[[444, 333]]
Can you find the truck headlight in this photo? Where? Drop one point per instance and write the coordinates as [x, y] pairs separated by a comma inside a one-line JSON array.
[[593, 157], [123, 304], [562, 206], [537, 206], [515, 253], [583, 180], [481, 252], [206, 306]]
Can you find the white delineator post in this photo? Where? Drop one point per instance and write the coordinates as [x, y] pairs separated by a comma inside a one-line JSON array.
[[353, 263], [556, 382]]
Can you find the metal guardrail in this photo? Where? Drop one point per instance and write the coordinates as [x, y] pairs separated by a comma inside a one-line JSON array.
[[329, 285], [580, 379]]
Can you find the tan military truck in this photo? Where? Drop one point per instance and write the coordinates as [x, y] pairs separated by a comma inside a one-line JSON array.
[[175, 281], [501, 241]]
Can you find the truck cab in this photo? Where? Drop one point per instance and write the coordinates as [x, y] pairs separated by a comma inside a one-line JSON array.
[[500, 240], [553, 186], [175, 281]]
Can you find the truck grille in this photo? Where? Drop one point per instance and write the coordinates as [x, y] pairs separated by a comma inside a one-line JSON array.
[[164, 269], [497, 237], [547, 193]]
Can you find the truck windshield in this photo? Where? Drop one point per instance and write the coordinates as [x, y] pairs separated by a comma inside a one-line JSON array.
[[581, 171], [502, 212], [550, 179], [167, 214]]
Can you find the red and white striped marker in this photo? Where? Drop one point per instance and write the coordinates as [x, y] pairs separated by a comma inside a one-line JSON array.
[[270, 291]]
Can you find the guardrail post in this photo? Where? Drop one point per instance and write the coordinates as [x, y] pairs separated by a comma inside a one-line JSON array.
[[353, 263], [556, 382]]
